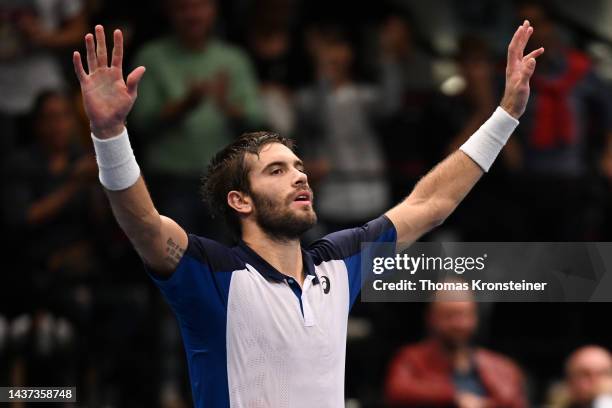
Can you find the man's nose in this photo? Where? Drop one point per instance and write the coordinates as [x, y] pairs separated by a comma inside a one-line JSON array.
[[300, 178]]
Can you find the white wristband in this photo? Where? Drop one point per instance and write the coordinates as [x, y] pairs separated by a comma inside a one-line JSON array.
[[484, 145], [116, 162]]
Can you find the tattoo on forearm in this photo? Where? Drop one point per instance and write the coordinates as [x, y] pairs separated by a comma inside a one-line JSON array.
[[174, 252]]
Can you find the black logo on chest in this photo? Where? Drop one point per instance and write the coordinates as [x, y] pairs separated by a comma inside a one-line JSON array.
[[326, 284]]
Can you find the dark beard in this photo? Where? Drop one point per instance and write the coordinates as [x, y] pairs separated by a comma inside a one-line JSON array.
[[278, 224]]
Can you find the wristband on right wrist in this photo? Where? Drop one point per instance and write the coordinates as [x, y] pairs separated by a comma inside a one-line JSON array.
[[118, 169]]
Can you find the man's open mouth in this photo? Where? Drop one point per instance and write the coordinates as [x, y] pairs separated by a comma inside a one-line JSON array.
[[303, 196]]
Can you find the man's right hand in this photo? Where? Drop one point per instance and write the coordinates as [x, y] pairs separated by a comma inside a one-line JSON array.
[[107, 98]]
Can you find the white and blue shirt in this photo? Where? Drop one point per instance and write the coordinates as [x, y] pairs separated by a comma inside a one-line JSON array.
[[253, 336]]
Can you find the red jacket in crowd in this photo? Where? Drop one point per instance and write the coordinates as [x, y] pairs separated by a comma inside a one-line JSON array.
[[420, 375]]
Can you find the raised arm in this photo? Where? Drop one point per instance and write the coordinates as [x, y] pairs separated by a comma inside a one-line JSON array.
[[108, 99], [437, 194]]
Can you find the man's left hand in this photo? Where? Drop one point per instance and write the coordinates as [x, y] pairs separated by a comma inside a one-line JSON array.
[[519, 70]]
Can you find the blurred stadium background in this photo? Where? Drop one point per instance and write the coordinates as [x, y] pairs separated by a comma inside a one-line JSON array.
[[375, 93]]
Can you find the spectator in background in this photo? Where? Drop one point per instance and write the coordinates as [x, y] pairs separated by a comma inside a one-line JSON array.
[[447, 370], [335, 124], [30, 32], [407, 139], [588, 380], [564, 125], [197, 95]]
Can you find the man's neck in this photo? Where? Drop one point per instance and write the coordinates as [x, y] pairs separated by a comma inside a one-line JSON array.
[[284, 255]]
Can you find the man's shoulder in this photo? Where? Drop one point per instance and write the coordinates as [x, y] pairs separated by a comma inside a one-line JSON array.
[[345, 243], [217, 256]]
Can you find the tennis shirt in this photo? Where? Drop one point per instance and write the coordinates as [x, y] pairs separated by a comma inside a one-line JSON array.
[[254, 337]]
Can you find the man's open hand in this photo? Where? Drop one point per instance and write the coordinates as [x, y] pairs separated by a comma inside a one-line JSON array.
[[519, 70], [106, 96]]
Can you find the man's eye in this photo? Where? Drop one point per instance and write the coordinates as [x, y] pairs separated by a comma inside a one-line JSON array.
[[276, 171]]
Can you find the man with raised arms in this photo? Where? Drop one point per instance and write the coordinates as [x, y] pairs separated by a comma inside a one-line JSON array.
[[264, 322]]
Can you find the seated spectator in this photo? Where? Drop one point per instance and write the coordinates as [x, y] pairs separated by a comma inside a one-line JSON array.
[[448, 370], [588, 380], [197, 95]]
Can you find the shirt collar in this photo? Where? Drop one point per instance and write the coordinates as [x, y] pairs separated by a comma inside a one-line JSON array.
[[270, 272]]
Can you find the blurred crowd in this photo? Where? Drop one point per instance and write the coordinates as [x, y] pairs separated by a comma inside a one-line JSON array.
[[374, 96]]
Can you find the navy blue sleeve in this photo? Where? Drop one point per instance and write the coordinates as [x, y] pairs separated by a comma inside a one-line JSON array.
[[198, 290], [346, 245]]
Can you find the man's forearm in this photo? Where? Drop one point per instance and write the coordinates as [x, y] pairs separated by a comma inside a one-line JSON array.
[[136, 214], [451, 180], [434, 197], [447, 184], [437, 194], [120, 175], [108, 99], [159, 240]]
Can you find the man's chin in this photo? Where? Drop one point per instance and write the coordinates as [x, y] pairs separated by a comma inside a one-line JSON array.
[[306, 216], [291, 225], [303, 221]]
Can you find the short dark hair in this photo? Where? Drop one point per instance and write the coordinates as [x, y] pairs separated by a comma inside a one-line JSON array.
[[229, 171]]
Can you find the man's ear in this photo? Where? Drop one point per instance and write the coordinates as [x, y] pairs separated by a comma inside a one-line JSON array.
[[240, 202]]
